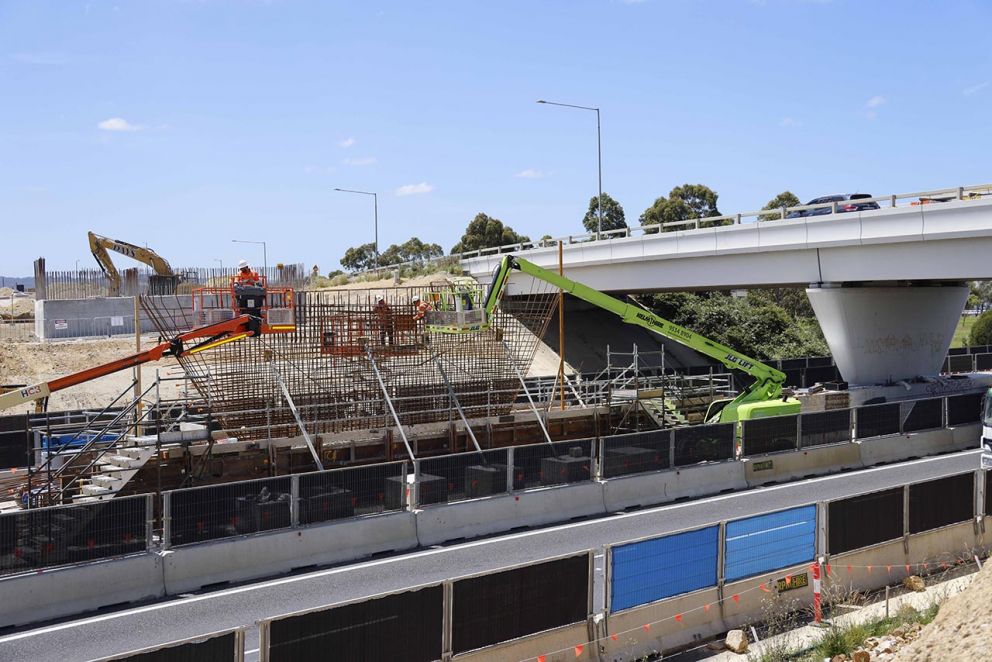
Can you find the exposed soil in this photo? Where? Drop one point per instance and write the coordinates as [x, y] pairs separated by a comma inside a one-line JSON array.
[[34, 362], [962, 629]]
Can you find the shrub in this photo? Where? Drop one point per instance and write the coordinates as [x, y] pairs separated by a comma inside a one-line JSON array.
[[981, 330]]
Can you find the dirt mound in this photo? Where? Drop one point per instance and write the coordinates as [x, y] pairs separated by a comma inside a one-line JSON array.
[[34, 362], [21, 307], [962, 629]]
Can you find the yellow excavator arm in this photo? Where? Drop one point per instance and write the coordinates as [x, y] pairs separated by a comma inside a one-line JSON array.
[[99, 247]]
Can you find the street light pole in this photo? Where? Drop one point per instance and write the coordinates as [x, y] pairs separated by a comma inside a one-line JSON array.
[[265, 256], [375, 211], [599, 156]]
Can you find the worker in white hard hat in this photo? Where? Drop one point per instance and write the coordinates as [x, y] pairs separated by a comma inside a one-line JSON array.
[[423, 307], [246, 275]]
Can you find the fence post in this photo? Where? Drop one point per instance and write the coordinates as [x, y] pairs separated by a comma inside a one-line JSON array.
[[854, 423], [822, 528], [294, 502], [671, 449], [166, 520], [510, 469], [799, 432], [721, 540], [945, 418], [263, 640], [413, 495], [149, 521], [905, 518], [447, 595], [596, 459]]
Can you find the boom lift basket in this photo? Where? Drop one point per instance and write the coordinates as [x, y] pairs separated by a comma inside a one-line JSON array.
[[275, 306], [457, 306]]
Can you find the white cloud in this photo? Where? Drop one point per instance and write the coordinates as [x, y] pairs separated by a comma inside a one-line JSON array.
[[363, 161], [875, 101], [978, 87], [118, 124], [790, 122], [346, 143], [414, 189], [530, 173]]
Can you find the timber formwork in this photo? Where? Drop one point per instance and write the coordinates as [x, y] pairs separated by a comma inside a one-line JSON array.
[[329, 364]]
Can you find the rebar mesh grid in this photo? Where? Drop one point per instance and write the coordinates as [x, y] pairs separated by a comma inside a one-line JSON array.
[[327, 363]]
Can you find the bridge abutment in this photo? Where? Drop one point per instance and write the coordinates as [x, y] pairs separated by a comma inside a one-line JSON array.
[[881, 334]]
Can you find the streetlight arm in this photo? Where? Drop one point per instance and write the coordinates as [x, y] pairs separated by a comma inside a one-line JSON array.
[[567, 105]]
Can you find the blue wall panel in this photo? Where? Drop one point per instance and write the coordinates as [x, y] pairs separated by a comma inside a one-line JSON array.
[[655, 569], [769, 542]]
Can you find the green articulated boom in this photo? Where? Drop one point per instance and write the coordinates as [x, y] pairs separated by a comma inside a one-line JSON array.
[[761, 399]]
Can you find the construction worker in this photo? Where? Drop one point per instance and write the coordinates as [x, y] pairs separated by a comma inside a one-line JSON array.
[[246, 275], [384, 320], [423, 307]]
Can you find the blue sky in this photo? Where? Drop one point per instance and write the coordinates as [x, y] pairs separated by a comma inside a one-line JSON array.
[[184, 124]]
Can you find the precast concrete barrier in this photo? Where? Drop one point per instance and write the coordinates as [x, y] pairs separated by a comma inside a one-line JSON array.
[[496, 514], [901, 447], [68, 590], [790, 465], [190, 567], [530, 647], [650, 489]]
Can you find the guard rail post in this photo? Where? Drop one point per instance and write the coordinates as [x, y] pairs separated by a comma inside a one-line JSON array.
[[166, 520], [799, 432], [509, 469], [149, 521], [294, 501]]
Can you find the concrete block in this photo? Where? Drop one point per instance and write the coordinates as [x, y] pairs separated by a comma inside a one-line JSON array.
[[69, 590], [816, 461], [480, 517], [262, 555], [530, 647], [651, 489], [878, 450]]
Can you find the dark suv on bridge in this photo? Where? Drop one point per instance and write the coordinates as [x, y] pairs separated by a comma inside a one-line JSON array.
[[845, 203]]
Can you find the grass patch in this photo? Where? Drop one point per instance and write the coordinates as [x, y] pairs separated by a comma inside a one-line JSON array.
[[963, 330]]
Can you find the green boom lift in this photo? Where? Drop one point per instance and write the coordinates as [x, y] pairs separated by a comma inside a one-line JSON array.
[[761, 399]]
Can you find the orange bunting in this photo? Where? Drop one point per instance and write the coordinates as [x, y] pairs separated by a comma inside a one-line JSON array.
[[907, 568], [828, 570], [646, 626], [850, 569], [542, 658], [763, 587], [788, 579], [706, 607], [869, 569], [736, 597], [579, 649], [943, 564], [678, 618], [888, 569], [926, 566], [615, 637]]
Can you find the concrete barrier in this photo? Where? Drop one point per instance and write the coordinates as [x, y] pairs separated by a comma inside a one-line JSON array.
[[790, 465], [99, 316], [651, 489], [480, 517], [69, 590], [262, 555], [528, 648], [894, 448]]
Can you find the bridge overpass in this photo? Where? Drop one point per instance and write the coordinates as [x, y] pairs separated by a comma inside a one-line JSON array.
[[887, 285]]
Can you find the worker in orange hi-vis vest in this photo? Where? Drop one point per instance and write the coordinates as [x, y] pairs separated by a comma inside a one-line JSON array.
[[246, 275], [423, 307]]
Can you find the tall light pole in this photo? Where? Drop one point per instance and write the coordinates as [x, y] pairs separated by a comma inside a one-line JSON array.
[[265, 258], [599, 155], [375, 211]]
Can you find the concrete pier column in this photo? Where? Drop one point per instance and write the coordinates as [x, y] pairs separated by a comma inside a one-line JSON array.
[[882, 334]]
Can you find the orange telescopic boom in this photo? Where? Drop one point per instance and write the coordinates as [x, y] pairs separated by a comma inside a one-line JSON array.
[[210, 336]]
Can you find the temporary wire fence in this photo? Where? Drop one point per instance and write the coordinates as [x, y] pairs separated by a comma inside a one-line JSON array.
[[825, 427], [937, 503], [770, 435], [704, 443], [463, 476], [226, 646], [57, 535], [562, 462], [864, 520], [199, 514], [342, 493], [636, 453], [877, 420]]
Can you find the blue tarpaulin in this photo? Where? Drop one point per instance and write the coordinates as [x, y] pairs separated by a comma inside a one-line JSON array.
[[651, 570], [769, 542]]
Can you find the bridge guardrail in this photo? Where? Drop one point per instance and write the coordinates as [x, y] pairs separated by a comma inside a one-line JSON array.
[[761, 215]]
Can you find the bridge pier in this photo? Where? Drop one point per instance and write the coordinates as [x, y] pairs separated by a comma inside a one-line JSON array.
[[885, 333]]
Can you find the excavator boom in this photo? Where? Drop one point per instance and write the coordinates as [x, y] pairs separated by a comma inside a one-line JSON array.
[[100, 245]]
